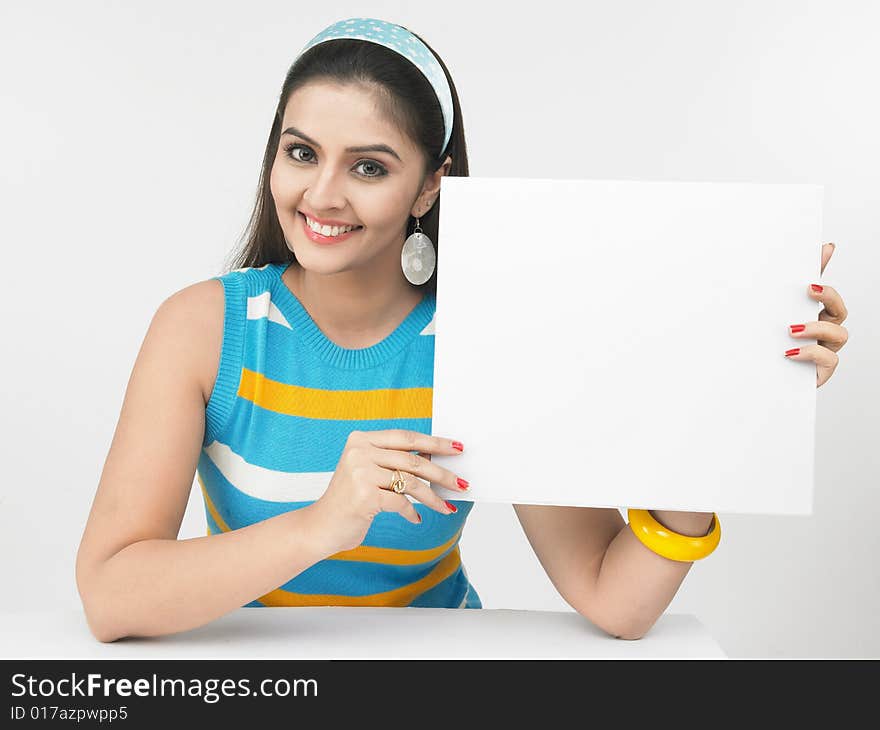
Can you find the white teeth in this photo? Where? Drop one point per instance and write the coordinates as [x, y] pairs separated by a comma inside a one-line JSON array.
[[328, 230]]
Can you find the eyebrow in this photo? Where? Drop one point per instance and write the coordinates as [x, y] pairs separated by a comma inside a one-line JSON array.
[[360, 148]]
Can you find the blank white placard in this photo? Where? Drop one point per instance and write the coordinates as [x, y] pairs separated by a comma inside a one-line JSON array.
[[614, 343]]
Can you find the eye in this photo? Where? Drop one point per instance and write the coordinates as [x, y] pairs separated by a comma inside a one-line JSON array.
[[379, 169], [376, 166], [288, 149]]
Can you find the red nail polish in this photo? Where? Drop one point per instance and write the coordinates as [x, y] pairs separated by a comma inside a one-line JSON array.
[[462, 483], [795, 351], [451, 506], [797, 327], [817, 288], [458, 445]]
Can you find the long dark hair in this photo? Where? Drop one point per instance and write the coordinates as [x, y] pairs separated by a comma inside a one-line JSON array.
[[406, 97]]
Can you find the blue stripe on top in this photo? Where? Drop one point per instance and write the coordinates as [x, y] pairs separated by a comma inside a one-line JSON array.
[[284, 402]]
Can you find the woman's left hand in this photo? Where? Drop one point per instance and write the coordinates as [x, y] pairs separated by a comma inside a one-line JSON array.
[[828, 328]]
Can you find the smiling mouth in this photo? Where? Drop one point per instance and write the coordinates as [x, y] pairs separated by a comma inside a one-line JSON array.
[[326, 238], [306, 221]]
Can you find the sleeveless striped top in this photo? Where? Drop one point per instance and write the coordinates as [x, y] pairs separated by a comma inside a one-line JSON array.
[[284, 402]]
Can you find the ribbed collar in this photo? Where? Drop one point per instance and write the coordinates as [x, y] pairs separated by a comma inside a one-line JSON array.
[[304, 326]]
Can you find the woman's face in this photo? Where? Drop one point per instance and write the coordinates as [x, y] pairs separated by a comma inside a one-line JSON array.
[[313, 173]]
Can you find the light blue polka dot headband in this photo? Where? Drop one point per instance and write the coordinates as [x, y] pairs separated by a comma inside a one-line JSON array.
[[405, 43]]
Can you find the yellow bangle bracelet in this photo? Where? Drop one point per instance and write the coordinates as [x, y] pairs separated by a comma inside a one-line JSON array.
[[669, 544]]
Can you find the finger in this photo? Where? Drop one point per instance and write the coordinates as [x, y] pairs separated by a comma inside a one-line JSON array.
[[833, 336], [427, 456], [834, 310], [427, 472], [827, 252], [392, 502], [416, 488], [422, 467], [405, 440], [826, 361]]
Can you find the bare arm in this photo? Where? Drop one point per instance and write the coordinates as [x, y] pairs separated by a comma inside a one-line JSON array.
[[602, 569], [162, 586], [135, 578], [637, 584]]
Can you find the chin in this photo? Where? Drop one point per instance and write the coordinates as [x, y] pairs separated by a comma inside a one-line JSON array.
[[325, 265]]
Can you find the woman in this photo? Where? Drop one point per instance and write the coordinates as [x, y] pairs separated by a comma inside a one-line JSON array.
[[298, 386]]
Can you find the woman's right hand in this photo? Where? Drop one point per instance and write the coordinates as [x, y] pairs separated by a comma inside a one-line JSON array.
[[360, 487]]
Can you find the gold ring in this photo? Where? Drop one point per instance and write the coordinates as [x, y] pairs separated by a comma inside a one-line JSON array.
[[398, 484]]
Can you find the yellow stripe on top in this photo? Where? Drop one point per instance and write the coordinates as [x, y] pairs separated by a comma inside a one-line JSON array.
[[343, 405], [221, 523], [399, 597], [395, 556]]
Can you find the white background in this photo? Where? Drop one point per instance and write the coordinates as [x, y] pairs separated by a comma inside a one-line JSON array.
[[131, 145]]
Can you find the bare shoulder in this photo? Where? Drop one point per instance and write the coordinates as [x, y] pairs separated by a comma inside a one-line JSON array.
[[198, 310]]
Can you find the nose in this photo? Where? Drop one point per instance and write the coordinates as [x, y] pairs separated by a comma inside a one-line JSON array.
[[325, 192]]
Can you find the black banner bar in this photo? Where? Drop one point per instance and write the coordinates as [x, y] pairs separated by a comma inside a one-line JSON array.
[[134, 693]]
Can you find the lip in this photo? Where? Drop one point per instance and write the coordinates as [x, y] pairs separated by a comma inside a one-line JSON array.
[[320, 238], [327, 221]]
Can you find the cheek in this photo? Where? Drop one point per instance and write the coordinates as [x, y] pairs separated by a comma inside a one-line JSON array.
[[385, 212], [279, 185]]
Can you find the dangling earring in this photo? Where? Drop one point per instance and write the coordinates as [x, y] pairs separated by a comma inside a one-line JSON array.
[[418, 257]]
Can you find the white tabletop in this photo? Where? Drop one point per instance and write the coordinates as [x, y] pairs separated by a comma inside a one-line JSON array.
[[343, 632]]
